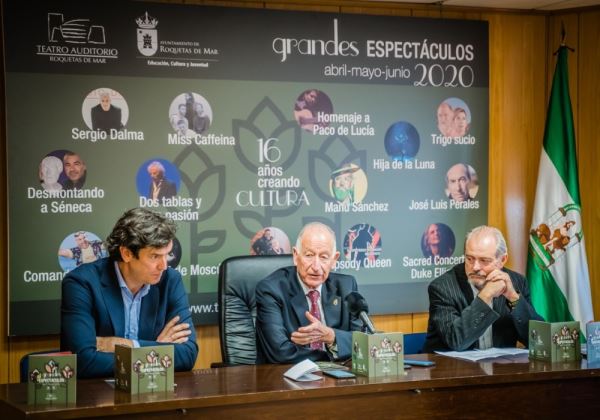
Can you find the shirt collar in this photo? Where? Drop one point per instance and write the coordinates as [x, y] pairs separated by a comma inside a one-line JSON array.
[[305, 288], [142, 292]]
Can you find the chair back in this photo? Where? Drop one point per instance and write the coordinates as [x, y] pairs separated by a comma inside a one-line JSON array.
[[238, 277], [413, 343]]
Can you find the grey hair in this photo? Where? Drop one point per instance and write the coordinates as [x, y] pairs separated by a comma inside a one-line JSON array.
[[140, 228], [156, 164], [501, 248], [319, 225], [69, 153], [467, 170]]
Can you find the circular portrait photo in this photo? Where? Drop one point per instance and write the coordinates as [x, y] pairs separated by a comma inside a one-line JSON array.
[[307, 107], [157, 179], [50, 170], [402, 141], [438, 240], [174, 256], [105, 109], [190, 114], [361, 242], [461, 182], [62, 170], [79, 248], [270, 241], [348, 184], [453, 118]]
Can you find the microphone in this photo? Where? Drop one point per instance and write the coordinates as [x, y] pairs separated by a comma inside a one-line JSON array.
[[358, 307]]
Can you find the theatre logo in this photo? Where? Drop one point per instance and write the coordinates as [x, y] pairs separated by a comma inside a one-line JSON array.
[[76, 40], [147, 35]]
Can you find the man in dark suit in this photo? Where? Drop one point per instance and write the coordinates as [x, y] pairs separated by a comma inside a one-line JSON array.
[[130, 298], [479, 304], [160, 187], [106, 116], [301, 311]]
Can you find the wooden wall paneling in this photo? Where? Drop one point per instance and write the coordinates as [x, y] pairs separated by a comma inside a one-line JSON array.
[[393, 323], [420, 321], [433, 11], [303, 7], [588, 107], [244, 4], [210, 347], [461, 14], [444, 12], [386, 11], [570, 21], [517, 109]]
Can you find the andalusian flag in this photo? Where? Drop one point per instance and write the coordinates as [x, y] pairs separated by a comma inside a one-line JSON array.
[[557, 266]]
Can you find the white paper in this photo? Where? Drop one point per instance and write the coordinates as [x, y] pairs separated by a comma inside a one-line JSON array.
[[303, 371], [476, 355]]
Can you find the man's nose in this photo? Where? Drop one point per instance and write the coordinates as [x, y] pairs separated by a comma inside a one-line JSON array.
[[162, 263], [316, 264]]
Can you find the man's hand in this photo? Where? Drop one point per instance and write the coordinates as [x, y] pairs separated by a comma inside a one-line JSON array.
[[315, 331], [174, 332], [494, 287], [509, 293], [107, 344]]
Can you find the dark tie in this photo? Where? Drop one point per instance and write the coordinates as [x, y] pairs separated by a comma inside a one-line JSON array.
[[313, 295]]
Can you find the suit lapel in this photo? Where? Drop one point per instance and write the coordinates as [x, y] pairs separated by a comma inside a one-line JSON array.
[[148, 312], [113, 300], [331, 302], [297, 298], [463, 283]]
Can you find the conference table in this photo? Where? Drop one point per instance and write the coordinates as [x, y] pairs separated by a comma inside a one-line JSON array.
[[512, 387]]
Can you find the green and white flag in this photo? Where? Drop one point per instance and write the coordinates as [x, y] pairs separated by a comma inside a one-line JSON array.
[[557, 267]]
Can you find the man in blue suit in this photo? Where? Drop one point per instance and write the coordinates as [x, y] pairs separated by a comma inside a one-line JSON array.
[[301, 311], [131, 298]]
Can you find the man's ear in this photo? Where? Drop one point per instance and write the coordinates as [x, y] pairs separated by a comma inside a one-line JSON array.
[[503, 260], [336, 256], [126, 254]]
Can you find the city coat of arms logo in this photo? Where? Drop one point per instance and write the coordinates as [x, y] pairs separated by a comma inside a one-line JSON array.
[[147, 35]]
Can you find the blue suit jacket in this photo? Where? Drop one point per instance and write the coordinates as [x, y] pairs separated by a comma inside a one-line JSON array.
[[281, 306], [92, 306]]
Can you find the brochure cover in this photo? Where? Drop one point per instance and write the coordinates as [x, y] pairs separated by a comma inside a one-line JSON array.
[[144, 369], [376, 355], [52, 379], [593, 343], [554, 341]]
